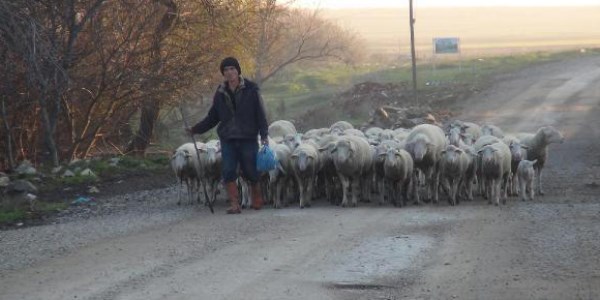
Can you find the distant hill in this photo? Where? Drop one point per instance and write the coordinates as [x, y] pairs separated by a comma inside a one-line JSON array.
[[482, 30]]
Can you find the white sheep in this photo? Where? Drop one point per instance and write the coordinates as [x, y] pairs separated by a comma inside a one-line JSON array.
[[327, 177], [425, 144], [280, 128], [398, 172], [305, 165], [454, 165], [352, 158], [380, 153], [210, 166], [184, 163], [518, 152], [526, 175], [538, 148], [282, 175], [495, 171]]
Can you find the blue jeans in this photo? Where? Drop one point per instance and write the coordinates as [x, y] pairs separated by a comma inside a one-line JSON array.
[[240, 153]]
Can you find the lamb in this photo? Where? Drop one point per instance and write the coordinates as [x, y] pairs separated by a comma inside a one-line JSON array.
[[353, 159], [184, 163], [305, 165], [518, 152], [495, 170], [425, 144], [398, 172], [538, 148], [525, 175], [454, 165]]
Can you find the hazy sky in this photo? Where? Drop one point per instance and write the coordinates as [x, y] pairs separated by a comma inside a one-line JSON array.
[[428, 3]]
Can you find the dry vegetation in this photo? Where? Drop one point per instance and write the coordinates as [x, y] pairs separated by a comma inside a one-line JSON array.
[[483, 31]]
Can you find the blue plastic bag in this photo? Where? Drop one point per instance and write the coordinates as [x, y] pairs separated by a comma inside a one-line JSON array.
[[265, 159]]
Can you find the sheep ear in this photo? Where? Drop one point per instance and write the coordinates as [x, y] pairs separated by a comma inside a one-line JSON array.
[[334, 150], [443, 151], [524, 147]]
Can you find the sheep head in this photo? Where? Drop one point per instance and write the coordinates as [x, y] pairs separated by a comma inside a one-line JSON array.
[[451, 154], [551, 135], [343, 150], [419, 147]]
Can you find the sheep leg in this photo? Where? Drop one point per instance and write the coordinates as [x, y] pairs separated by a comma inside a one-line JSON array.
[[381, 188], [309, 192], [277, 198], [345, 190], [416, 186], [356, 187], [530, 189], [300, 183], [434, 186], [452, 192], [469, 188], [496, 191], [538, 174], [405, 187]]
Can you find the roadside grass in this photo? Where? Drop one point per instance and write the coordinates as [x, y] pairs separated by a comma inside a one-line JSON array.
[[13, 210], [10, 215]]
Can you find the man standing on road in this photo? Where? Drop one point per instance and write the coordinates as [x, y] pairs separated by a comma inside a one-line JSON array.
[[238, 109]]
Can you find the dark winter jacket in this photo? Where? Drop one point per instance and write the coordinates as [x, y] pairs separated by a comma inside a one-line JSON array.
[[240, 114]]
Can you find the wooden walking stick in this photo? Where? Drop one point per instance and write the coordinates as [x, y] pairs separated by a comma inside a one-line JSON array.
[[185, 123]]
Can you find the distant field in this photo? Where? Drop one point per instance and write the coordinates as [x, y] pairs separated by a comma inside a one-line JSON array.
[[482, 31]]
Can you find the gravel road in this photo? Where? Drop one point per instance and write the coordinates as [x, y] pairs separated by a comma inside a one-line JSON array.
[[143, 246]]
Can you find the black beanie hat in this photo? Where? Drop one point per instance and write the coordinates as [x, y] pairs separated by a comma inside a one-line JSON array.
[[230, 62]]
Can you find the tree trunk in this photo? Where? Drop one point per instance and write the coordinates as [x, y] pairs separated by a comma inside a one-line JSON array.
[[9, 146], [150, 111], [49, 130], [151, 107]]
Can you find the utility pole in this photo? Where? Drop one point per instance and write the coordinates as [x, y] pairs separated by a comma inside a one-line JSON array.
[[412, 49]]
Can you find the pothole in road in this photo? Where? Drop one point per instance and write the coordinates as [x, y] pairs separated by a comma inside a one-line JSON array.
[[376, 258]]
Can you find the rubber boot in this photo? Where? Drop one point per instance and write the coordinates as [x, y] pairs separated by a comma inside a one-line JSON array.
[[257, 199], [234, 198]]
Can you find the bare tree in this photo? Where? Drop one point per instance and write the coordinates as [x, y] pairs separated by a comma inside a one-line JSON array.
[[278, 36]]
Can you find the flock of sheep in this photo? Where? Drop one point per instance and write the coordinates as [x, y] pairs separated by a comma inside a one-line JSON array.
[[351, 165]]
